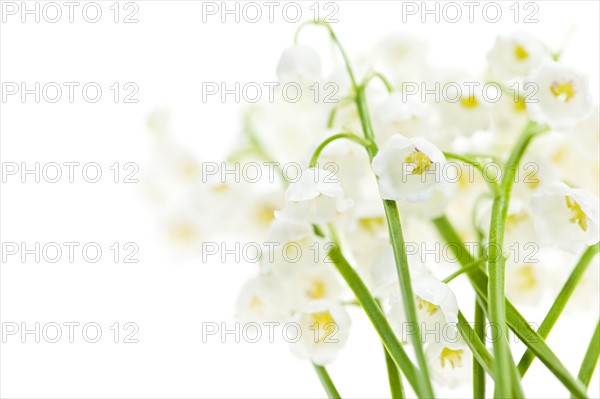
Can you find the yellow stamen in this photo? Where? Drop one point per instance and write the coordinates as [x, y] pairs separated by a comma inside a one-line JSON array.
[[469, 102], [527, 278], [372, 225], [317, 290], [255, 303], [325, 321], [577, 215], [565, 90], [428, 306], [183, 233], [521, 53], [454, 357], [421, 160]]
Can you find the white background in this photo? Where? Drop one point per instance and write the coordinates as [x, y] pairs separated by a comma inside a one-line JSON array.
[[169, 53]]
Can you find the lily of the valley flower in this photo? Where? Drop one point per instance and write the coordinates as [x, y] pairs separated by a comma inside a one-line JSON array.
[[566, 218], [317, 197], [299, 64], [323, 330], [563, 98], [262, 299], [516, 55], [450, 363], [437, 311], [408, 168]]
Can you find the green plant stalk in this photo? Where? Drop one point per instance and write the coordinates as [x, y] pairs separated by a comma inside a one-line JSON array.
[[478, 371], [590, 359], [408, 296], [393, 219], [379, 321], [321, 147], [326, 381], [464, 269], [559, 303], [394, 377], [515, 320], [493, 184], [496, 263], [480, 353]]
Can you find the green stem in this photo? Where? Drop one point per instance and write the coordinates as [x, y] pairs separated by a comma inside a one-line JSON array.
[[394, 377], [560, 302], [321, 147], [478, 371], [517, 323], [480, 353], [464, 269], [379, 321], [408, 297], [590, 359], [381, 77], [469, 161], [496, 263], [327, 383]]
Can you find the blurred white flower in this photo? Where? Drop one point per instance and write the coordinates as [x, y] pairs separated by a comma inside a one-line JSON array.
[[184, 229], [526, 282], [450, 363], [563, 98], [294, 247], [397, 114], [402, 57], [317, 197], [566, 218], [408, 169], [312, 284], [299, 64], [324, 328], [262, 299], [172, 175], [516, 55]]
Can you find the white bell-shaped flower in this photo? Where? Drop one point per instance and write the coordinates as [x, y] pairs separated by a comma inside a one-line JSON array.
[[563, 98], [566, 218], [299, 64], [450, 364], [516, 55], [323, 328], [408, 169], [317, 197]]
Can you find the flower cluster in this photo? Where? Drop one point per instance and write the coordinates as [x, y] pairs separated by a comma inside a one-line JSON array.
[[519, 172]]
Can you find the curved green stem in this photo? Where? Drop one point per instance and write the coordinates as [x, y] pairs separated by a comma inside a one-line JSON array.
[[469, 161], [381, 77], [321, 147], [327, 383], [464, 269], [560, 302]]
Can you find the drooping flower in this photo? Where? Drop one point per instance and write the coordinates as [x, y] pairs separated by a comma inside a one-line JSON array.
[[317, 197], [450, 363], [262, 299], [299, 64], [563, 98], [565, 217], [516, 55], [323, 328], [408, 168]]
